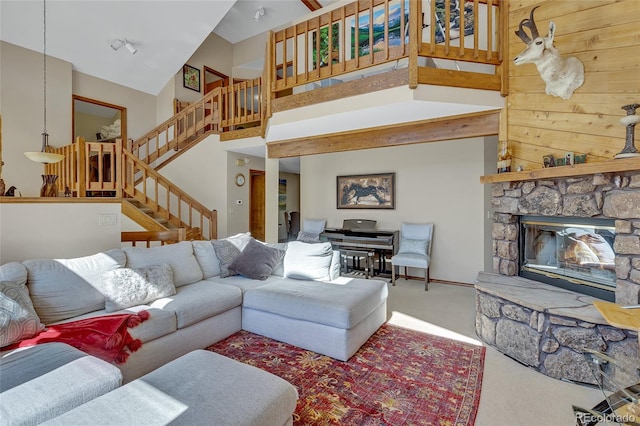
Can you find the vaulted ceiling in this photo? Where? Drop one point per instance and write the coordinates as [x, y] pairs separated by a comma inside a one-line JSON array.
[[165, 33]]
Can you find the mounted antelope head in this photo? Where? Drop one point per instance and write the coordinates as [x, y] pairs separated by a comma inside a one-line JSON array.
[[562, 75]]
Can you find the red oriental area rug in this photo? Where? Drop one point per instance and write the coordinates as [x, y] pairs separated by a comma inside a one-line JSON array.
[[398, 377]]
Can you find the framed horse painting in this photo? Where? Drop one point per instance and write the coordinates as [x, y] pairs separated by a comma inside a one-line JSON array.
[[377, 191]]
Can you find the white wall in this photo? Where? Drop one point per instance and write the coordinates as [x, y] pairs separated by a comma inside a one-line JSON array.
[[47, 230], [141, 107], [21, 78], [435, 182]]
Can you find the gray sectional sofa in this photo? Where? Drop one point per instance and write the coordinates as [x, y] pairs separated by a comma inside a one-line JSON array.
[[197, 293]]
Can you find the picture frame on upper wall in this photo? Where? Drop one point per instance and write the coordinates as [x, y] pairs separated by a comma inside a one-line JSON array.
[[370, 191], [191, 77]]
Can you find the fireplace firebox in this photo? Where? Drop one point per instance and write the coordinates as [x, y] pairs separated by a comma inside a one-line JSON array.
[[571, 253]]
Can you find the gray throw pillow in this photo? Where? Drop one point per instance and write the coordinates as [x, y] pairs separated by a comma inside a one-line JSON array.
[[411, 246], [226, 253], [126, 287], [18, 318], [256, 261]]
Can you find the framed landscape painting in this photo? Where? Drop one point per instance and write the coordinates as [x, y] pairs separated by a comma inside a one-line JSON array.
[[375, 191]]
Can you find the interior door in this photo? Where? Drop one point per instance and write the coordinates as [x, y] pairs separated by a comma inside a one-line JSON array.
[[257, 204]]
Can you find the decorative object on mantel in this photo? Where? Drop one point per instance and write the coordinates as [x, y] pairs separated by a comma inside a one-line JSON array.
[[630, 120], [562, 75], [11, 192], [49, 187], [1, 187], [44, 156], [504, 157]]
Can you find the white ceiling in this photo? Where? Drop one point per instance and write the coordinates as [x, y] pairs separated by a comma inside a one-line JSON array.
[[165, 32]]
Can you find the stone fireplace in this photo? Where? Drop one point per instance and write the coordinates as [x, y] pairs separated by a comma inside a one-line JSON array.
[[546, 327]]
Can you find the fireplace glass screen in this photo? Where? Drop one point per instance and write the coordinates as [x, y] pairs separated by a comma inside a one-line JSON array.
[[576, 254]]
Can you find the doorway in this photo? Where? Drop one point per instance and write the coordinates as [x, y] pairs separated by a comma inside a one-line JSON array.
[[214, 79], [95, 120], [257, 204]]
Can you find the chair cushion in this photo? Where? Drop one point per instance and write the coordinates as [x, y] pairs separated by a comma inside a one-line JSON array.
[[411, 260], [308, 237]]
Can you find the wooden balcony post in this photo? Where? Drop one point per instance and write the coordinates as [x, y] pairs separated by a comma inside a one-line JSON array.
[[81, 175], [119, 171], [415, 30]]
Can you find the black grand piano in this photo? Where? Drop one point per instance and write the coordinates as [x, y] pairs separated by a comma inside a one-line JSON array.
[[359, 241]]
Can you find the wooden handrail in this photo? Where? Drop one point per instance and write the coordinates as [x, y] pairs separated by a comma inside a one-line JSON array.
[[148, 237], [164, 198]]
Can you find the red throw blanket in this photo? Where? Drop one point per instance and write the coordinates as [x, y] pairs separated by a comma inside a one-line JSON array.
[[105, 337]]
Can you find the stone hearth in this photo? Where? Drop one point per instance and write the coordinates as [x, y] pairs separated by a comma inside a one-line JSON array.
[[546, 327]]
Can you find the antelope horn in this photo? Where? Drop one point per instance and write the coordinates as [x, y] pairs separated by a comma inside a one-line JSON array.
[[531, 24]]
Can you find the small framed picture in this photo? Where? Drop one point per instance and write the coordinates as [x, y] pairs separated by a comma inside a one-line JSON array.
[[191, 77]]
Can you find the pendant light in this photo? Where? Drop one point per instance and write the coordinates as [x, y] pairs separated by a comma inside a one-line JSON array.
[[43, 156]]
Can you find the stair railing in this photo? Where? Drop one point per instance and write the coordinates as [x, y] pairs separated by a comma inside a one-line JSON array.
[[165, 199], [172, 135], [88, 168]]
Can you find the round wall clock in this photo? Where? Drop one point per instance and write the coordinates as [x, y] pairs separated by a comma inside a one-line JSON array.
[[240, 179]]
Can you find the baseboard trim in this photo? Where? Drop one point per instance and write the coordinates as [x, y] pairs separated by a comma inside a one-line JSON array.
[[433, 280]]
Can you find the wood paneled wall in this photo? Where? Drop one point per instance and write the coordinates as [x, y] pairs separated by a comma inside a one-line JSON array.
[[605, 36]]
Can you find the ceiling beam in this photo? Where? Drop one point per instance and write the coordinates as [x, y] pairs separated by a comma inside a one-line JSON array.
[[312, 5], [434, 130]]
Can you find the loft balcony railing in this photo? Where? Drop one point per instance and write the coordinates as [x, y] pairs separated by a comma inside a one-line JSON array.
[[371, 33]]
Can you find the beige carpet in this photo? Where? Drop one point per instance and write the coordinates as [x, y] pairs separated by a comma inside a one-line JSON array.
[[512, 394]]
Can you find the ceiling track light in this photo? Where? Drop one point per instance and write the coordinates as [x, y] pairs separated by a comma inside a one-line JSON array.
[[259, 13], [124, 42]]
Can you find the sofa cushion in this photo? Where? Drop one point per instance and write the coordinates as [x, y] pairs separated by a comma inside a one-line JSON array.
[[13, 271], [336, 305], [207, 259], [256, 261], [279, 269], [198, 301], [160, 322], [186, 269], [307, 261], [18, 319], [226, 253], [243, 283], [43, 381], [126, 287], [66, 288]]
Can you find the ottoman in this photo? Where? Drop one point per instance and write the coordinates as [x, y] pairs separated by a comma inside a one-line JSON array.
[[40, 382], [331, 318], [199, 388]]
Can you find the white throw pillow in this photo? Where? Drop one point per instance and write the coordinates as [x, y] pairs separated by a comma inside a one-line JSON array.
[[126, 287], [411, 246], [308, 261]]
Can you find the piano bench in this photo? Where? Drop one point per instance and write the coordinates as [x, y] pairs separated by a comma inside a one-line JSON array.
[[368, 256]]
